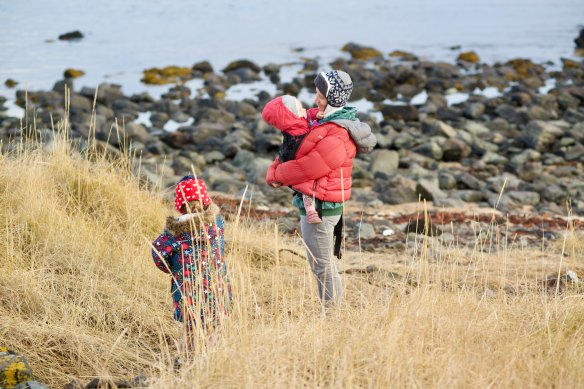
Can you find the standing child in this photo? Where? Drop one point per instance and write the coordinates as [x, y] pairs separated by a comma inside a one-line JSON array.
[[191, 249], [287, 115]]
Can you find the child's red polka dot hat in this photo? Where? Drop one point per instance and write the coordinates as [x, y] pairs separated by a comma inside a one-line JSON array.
[[190, 188]]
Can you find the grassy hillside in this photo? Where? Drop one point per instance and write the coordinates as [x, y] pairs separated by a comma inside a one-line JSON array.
[[80, 297]]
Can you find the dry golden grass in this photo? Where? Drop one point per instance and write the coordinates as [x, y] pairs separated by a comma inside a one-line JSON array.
[[80, 297]]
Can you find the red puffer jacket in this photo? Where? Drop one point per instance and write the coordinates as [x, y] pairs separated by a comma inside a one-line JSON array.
[[325, 155]]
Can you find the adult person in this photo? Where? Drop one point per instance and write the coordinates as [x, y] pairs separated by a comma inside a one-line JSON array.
[[322, 168]]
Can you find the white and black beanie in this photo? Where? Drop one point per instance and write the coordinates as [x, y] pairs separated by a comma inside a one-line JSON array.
[[336, 86]]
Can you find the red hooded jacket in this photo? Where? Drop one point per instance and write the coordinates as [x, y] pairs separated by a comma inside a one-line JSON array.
[[324, 156]]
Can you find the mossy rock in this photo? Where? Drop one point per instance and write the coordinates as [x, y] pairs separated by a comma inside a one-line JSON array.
[[203, 67], [10, 83], [525, 68], [166, 75], [14, 369], [242, 63], [469, 56], [362, 52], [404, 55], [73, 73], [570, 64]]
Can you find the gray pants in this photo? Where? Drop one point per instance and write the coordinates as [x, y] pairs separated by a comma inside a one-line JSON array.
[[319, 239]]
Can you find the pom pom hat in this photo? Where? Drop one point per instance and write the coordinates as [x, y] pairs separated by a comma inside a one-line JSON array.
[[188, 189]]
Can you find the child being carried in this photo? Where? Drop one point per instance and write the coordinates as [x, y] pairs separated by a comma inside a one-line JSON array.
[[287, 115]]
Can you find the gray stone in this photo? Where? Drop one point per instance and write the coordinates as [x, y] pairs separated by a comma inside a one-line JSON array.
[[474, 110], [574, 153], [137, 131], [577, 132], [528, 155], [554, 193], [430, 149], [498, 125], [529, 171], [429, 190], [205, 130], [469, 181], [256, 170], [476, 128], [524, 197], [573, 116], [404, 140], [385, 161], [469, 196], [213, 156], [241, 138], [536, 112], [449, 202], [364, 231], [243, 158], [31, 385], [437, 127], [184, 164], [446, 181], [79, 103], [180, 116], [454, 150], [159, 119], [540, 135], [493, 158], [399, 112], [505, 182], [397, 190]]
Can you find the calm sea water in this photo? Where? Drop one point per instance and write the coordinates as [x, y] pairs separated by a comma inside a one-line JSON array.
[[122, 38]]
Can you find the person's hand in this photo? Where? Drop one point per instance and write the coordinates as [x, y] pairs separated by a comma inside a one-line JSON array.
[[319, 115], [275, 184]]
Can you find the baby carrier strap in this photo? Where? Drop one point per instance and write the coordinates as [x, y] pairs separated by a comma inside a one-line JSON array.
[[289, 147], [337, 232]]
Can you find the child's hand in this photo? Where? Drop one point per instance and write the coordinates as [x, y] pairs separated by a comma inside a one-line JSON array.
[[275, 184], [319, 115]]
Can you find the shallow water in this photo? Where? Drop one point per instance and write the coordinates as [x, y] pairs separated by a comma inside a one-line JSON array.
[[124, 38]]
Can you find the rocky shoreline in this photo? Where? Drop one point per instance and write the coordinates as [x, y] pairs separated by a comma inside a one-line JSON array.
[[507, 135]]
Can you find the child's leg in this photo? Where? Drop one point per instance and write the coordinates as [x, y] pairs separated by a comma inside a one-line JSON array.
[[311, 214]]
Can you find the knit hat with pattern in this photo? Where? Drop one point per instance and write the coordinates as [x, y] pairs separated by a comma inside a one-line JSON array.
[[190, 188], [336, 86]]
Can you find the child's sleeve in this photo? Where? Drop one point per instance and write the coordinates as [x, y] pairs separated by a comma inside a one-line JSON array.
[[162, 249]]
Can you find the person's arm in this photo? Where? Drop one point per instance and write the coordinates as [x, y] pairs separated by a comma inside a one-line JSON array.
[[270, 174], [162, 249], [327, 155]]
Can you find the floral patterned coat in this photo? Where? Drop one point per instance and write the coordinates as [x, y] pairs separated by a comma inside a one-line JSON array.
[[191, 249]]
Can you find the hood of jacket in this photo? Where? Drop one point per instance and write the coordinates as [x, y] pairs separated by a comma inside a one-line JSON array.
[[192, 222], [360, 132], [276, 114]]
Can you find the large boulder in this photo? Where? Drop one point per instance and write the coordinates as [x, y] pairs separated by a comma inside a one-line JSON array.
[[385, 161], [396, 190]]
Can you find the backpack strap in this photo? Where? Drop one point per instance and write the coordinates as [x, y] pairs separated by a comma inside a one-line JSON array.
[[338, 234]]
